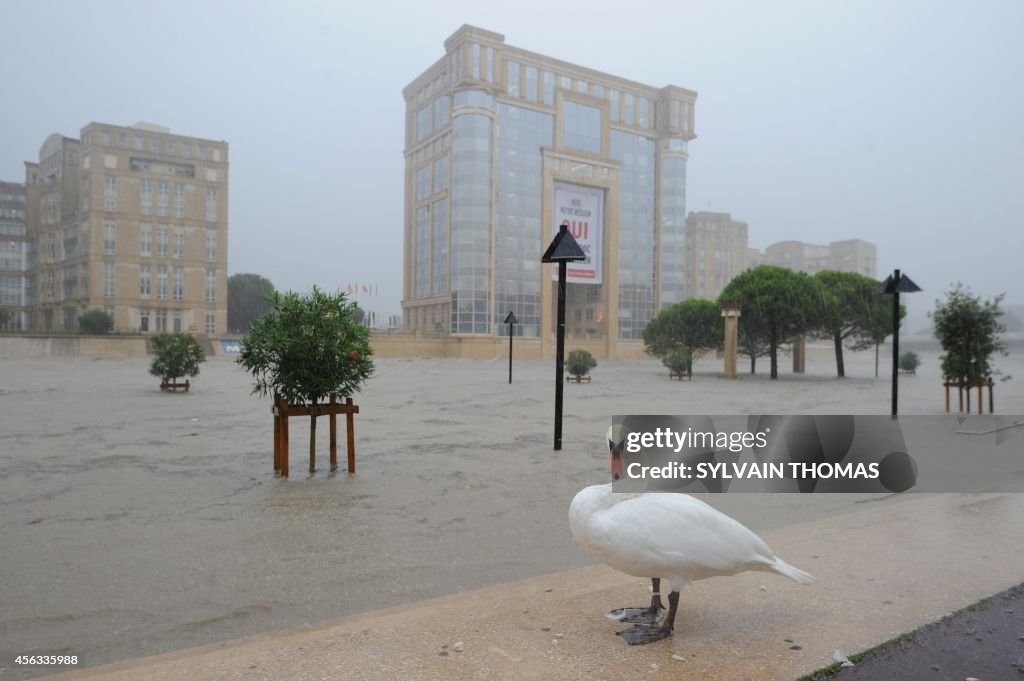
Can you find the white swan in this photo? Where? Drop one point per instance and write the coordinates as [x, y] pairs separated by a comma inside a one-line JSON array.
[[664, 535]]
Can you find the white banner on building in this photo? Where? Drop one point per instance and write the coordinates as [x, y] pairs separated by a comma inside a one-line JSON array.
[[581, 208]]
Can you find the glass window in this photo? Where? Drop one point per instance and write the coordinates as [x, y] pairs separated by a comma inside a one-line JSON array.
[[582, 86], [178, 292], [489, 57], [144, 281], [627, 113], [179, 245], [581, 127], [441, 174], [644, 119], [549, 88], [512, 82], [211, 286], [442, 111], [161, 282], [161, 242], [109, 238], [476, 61], [109, 279], [423, 182], [145, 241], [473, 98], [613, 98], [531, 83], [211, 246], [211, 321], [211, 204]]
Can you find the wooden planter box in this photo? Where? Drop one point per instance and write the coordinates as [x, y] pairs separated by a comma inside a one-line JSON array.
[[577, 379], [174, 386]]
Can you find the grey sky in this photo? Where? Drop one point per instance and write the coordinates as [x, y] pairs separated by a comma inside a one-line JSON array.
[[900, 123]]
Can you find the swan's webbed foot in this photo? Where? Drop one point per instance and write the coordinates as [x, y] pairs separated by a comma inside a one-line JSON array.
[[648, 616], [640, 634]]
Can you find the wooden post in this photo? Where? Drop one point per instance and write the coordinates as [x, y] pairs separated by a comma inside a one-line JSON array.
[[981, 396], [334, 432], [350, 426], [312, 437], [276, 409], [960, 394], [284, 437], [947, 396], [991, 400]]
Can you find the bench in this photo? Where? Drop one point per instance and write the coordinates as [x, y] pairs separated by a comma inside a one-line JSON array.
[[174, 386]]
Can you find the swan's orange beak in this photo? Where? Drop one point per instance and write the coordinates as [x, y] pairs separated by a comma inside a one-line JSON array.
[[615, 450]]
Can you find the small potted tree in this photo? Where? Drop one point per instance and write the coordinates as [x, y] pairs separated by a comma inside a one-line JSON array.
[[679, 363], [176, 355], [305, 351], [909, 361], [578, 364]]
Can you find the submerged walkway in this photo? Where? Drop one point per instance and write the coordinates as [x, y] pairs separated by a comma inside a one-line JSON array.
[[881, 572]]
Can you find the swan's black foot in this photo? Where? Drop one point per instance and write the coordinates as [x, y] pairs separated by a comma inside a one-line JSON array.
[[640, 634], [648, 616]]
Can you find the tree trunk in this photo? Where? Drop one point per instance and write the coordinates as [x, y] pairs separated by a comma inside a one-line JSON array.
[[840, 369], [753, 360], [312, 437], [876, 359]]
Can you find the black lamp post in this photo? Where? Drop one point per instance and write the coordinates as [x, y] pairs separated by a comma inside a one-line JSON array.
[[562, 249], [893, 285], [511, 321]]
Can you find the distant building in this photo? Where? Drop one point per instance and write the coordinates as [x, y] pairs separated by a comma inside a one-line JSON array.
[[852, 255], [716, 251], [502, 146], [132, 220], [14, 256]]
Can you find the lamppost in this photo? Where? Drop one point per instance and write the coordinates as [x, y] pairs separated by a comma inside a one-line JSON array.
[[563, 249], [893, 285], [511, 321]]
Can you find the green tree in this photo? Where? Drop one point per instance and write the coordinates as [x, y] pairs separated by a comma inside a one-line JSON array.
[[853, 309], [909, 361], [691, 325], [777, 305], [679, 362], [880, 327], [579, 363], [968, 328], [176, 355], [5, 316], [96, 323], [248, 300], [307, 348], [750, 344]]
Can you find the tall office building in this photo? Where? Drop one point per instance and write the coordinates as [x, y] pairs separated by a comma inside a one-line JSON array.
[[132, 220], [716, 251], [502, 146], [14, 256]]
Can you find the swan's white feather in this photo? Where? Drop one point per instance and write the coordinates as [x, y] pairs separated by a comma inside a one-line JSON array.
[[670, 536]]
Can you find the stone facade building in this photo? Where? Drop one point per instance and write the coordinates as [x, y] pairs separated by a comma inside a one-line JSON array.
[[132, 220]]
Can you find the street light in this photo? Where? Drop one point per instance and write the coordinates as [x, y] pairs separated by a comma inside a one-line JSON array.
[[893, 285], [511, 321], [563, 249]]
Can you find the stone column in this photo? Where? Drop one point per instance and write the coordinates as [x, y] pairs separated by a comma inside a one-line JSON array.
[[800, 355], [732, 317]]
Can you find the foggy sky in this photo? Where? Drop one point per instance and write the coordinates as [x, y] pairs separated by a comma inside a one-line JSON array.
[[898, 123]]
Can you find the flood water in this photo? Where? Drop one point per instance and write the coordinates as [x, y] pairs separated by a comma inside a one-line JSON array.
[[135, 522]]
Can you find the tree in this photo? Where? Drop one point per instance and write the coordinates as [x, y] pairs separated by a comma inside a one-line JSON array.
[[968, 328], [777, 305], [691, 325], [579, 363], [96, 323], [909, 361], [307, 348], [750, 344], [248, 300], [176, 355], [880, 327], [853, 309], [5, 316], [679, 362]]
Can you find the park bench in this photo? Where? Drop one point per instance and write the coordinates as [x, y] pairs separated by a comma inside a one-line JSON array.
[[174, 386]]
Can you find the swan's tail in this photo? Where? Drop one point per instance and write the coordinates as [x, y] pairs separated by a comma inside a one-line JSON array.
[[796, 574]]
